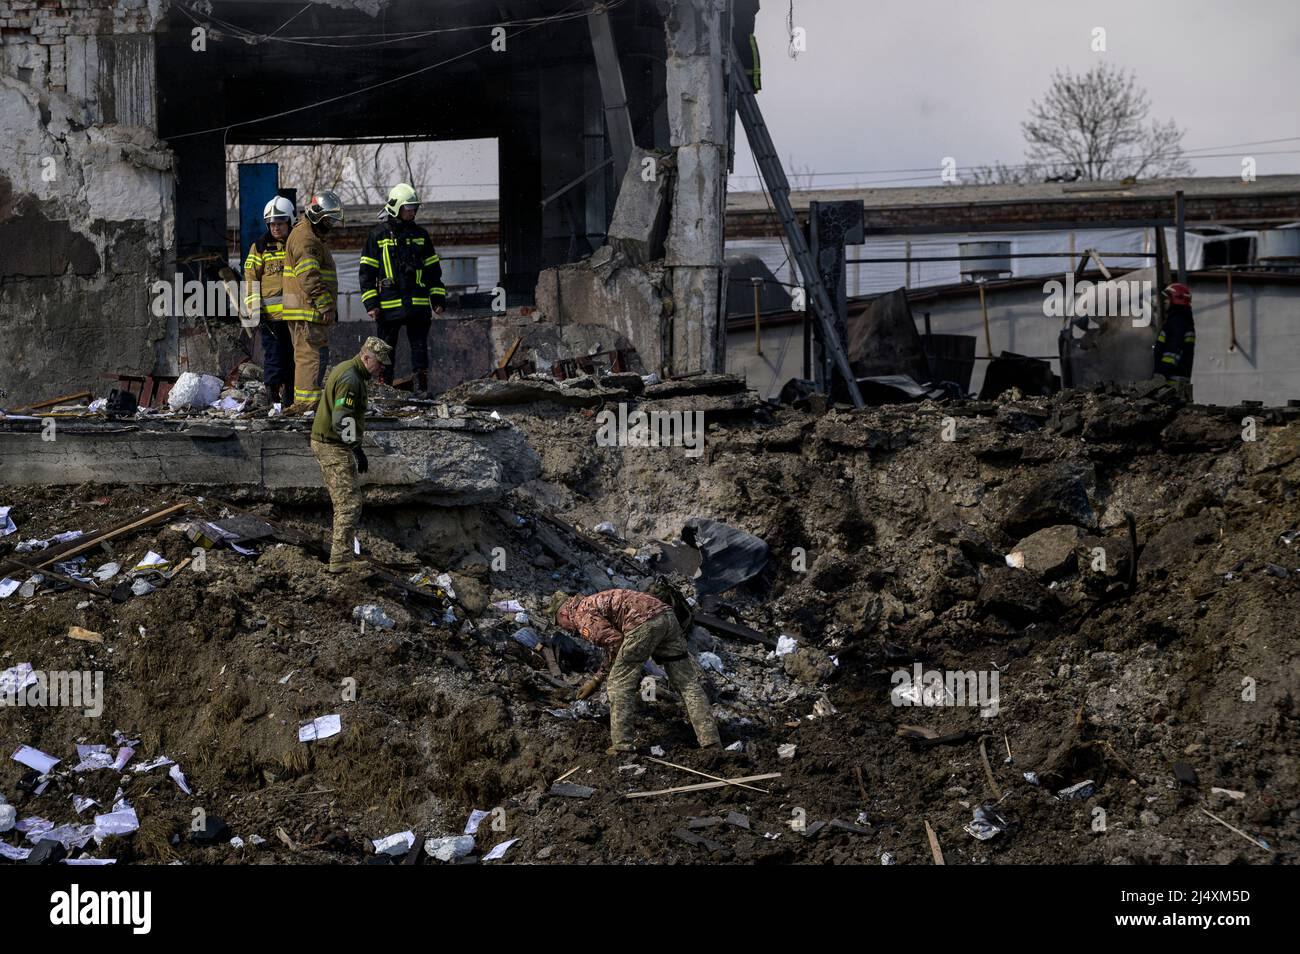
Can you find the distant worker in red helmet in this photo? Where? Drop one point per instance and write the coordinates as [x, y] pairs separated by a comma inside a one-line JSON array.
[[1176, 342]]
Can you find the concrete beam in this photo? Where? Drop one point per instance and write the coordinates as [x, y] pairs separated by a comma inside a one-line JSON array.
[[617, 119], [457, 463]]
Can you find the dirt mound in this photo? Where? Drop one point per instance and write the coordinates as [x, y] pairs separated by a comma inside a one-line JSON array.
[[889, 559]]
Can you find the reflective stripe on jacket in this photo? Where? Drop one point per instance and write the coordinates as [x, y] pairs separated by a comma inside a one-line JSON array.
[[400, 269], [264, 278], [311, 284]]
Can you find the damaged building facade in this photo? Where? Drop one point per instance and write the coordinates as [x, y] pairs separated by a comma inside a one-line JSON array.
[[613, 124]]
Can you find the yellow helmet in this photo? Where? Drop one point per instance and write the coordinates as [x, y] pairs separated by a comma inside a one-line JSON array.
[[398, 196]]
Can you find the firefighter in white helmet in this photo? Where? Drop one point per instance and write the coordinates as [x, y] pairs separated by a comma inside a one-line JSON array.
[[264, 284], [401, 281]]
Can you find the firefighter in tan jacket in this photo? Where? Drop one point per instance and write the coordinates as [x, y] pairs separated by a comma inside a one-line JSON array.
[[311, 288]]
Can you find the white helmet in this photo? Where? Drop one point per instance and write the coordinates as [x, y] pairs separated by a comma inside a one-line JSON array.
[[278, 208]]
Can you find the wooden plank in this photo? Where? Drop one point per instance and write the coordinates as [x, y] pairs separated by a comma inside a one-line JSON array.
[[935, 852], [63, 399], [704, 785], [717, 624], [715, 778], [59, 576], [510, 353], [1250, 838], [988, 769], [82, 544]]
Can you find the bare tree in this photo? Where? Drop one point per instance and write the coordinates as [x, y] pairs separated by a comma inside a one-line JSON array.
[[361, 173], [1097, 122]]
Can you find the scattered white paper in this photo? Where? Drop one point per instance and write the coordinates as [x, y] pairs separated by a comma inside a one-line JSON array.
[[398, 844], [33, 823], [356, 546], [65, 536], [80, 803], [237, 841], [159, 762], [475, 819], [89, 861], [246, 551], [444, 581], [8, 586], [284, 680], [107, 572], [178, 777], [69, 836], [122, 820], [123, 756], [12, 853], [500, 850], [509, 606], [153, 561], [786, 645], [93, 757], [7, 526], [319, 728], [16, 679], [657, 751], [35, 758]]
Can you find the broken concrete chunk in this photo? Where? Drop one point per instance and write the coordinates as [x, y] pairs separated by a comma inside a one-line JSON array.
[[639, 225], [1048, 553]]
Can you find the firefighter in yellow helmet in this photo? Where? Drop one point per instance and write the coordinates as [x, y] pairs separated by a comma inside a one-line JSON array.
[[401, 281]]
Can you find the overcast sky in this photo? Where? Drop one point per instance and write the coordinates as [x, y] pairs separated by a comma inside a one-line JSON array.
[[901, 84]]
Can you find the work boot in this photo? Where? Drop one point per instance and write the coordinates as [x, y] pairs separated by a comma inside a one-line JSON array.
[[619, 748], [422, 383]]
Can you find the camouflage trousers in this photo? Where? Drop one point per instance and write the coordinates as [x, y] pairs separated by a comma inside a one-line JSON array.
[[660, 637], [339, 470]]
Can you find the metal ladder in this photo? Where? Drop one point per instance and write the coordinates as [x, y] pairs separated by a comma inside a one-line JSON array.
[[760, 143]]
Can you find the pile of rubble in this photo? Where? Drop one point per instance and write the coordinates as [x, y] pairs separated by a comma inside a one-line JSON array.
[[1116, 573]]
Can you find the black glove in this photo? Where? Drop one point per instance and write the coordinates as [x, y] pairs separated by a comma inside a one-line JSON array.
[[363, 464]]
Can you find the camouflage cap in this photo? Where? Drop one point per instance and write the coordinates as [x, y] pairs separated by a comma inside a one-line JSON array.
[[558, 599], [378, 347]]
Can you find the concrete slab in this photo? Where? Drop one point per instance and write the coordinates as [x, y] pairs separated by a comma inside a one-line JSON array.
[[447, 463]]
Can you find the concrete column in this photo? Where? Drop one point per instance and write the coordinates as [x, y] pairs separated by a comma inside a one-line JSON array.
[[695, 68]]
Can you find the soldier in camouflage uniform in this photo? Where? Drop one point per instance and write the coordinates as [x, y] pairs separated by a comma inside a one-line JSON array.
[[633, 627], [336, 442]]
